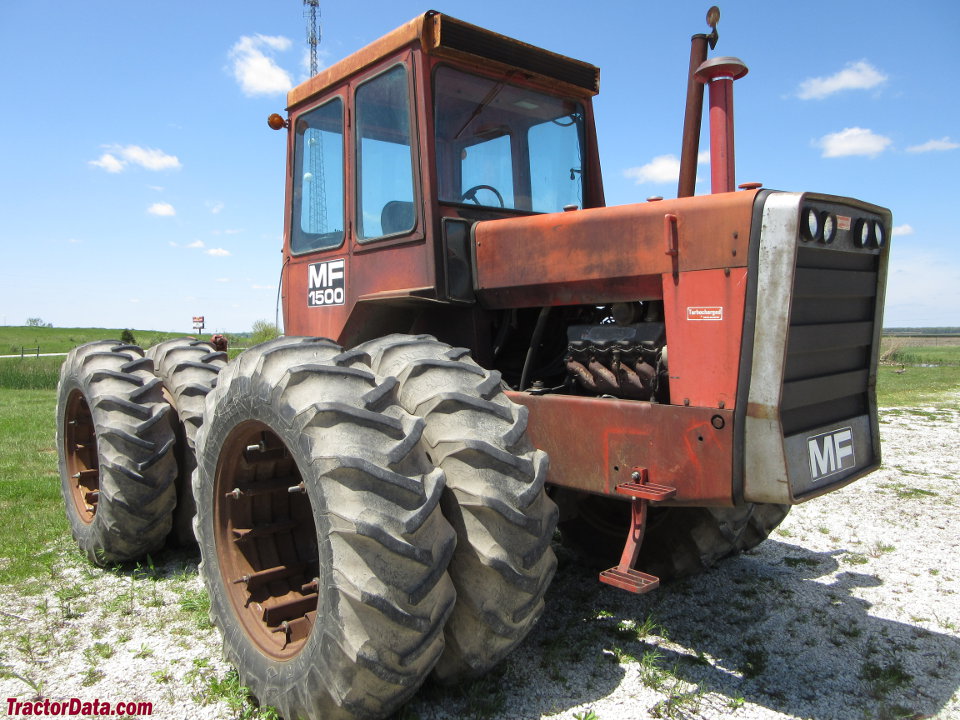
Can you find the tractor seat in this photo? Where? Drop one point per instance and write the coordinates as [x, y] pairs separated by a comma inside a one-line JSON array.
[[396, 217]]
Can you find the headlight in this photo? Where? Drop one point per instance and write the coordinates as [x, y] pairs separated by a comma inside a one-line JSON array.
[[829, 222], [810, 225], [879, 234], [863, 233]]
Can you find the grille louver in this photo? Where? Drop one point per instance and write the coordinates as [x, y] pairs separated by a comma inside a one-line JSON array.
[[829, 350]]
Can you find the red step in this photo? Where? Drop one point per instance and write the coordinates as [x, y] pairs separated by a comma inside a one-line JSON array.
[[632, 580], [647, 491]]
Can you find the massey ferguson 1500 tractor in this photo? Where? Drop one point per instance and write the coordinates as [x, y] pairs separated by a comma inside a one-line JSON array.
[[371, 493]]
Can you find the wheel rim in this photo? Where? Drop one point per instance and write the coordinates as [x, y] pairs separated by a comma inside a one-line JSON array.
[[266, 541], [82, 459]]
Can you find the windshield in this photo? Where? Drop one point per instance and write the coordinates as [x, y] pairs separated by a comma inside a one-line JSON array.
[[501, 145]]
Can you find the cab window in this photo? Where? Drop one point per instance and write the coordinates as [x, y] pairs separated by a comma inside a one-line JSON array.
[[385, 196], [318, 179], [502, 145]]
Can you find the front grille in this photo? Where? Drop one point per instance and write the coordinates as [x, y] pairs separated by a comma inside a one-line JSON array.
[[830, 344]]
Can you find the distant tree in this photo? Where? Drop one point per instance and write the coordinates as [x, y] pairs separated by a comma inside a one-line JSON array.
[[127, 337], [36, 322], [262, 331]]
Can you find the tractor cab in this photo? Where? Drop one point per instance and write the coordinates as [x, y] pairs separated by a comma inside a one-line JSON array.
[[397, 151]]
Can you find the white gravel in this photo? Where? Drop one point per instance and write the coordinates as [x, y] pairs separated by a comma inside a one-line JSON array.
[[850, 610]]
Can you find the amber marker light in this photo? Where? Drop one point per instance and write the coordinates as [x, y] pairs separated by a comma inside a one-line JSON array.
[[276, 122]]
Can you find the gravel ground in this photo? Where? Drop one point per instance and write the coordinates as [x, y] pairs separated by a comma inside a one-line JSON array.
[[850, 610]]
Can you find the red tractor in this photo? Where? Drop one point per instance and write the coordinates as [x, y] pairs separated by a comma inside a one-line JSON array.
[[379, 505]]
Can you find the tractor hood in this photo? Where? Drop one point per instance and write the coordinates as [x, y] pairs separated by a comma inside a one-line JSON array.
[[609, 254]]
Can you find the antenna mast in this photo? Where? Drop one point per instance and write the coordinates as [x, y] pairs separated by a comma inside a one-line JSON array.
[[317, 199], [313, 32]]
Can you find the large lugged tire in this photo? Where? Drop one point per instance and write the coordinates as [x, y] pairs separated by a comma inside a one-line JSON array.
[[117, 465], [324, 546], [188, 369], [494, 498], [687, 541], [678, 542]]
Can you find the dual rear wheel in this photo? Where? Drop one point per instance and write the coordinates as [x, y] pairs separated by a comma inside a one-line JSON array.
[[116, 449], [332, 490]]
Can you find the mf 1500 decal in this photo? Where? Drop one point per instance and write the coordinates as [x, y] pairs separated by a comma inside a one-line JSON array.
[[830, 453], [326, 284]]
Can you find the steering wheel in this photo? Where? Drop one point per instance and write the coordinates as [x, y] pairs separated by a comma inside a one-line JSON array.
[[471, 194]]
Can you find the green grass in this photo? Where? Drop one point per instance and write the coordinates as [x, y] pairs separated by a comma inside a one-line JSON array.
[[34, 528], [926, 355], [918, 372], [917, 385], [62, 340], [30, 373]]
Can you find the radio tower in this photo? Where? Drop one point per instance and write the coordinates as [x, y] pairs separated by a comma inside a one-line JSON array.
[[313, 31], [317, 211]]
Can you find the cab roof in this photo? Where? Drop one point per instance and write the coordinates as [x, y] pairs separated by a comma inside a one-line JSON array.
[[444, 36]]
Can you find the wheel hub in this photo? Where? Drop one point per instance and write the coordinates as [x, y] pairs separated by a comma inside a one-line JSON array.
[[266, 541], [82, 459]]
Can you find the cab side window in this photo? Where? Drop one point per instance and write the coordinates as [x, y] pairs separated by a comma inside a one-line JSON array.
[[318, 179], [385, 197]]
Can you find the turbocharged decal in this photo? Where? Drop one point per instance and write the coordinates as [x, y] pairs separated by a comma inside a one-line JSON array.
[[705, 313], [830, 453], [326, 283]]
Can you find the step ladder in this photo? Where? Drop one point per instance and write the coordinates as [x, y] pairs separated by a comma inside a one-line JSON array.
[[642, 492]]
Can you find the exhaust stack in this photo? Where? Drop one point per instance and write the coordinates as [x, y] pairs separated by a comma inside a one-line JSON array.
[[690, 145], [720, 73]]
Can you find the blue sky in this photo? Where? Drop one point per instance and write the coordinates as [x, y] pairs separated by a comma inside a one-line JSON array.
[[141, 185]]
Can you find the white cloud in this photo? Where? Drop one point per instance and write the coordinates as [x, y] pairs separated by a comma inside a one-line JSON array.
[[222, 280], [109, 163], [934, 146], [196, 244], [855, 76], [149, 158], [162, 209], [254, 68], [262, 287], [902, 230], [218, 252], [215, 207], [119, 156], [853, 141], [662, 169]]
